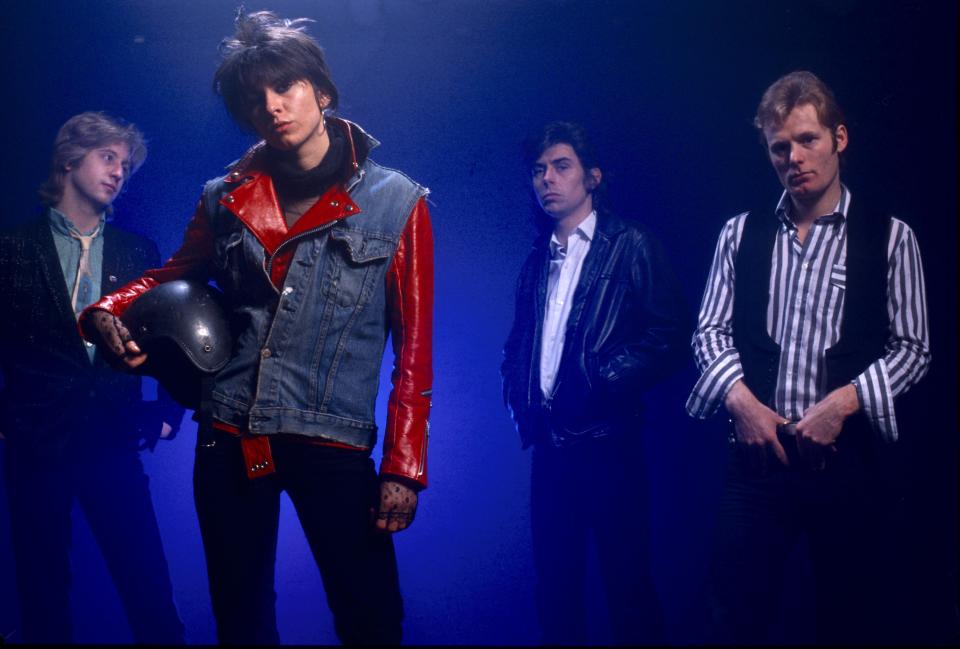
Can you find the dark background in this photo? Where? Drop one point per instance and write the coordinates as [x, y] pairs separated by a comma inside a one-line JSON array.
[[450, 88]]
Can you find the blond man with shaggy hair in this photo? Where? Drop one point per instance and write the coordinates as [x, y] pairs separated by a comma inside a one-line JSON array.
[[73, 427]]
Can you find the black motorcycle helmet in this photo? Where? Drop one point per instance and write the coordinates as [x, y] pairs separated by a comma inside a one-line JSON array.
[[183, 328]]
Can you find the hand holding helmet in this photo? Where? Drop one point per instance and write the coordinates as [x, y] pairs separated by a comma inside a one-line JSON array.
[[181, 325], [114, 339]]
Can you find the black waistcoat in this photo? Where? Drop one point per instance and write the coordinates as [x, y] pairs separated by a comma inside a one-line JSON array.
[[864, 326]]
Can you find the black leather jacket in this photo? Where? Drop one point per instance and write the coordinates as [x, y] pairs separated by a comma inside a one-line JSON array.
[[625, 332]]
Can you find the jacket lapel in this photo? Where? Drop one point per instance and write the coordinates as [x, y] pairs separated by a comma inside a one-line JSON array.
[[540, 287], [55, 285], [592, 265], [52, 272], [112, 266], [538, 303]]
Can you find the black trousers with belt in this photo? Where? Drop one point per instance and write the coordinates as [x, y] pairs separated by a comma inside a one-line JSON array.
[[332, 490]]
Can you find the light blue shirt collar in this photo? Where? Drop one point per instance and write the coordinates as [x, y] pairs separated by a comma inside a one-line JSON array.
[[62, 223]]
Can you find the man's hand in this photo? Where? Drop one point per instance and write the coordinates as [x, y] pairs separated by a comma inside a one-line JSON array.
[[115, 339], [756, 427], [821, 425], [398, 505]]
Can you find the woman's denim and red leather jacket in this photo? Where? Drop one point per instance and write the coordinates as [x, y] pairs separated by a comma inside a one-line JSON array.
[[311, 307]]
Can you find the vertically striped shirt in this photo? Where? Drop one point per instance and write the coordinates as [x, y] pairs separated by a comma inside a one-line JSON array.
[[804, 313]]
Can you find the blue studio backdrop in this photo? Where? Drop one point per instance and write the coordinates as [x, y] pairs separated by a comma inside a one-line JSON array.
[[450, 87]]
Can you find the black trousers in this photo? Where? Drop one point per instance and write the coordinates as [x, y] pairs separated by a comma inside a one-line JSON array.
[[332, 491], [597, 488], [850, 513], [112, 491]]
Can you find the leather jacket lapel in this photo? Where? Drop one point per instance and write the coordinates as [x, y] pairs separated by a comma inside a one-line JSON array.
[[539, 305], [592, 263]]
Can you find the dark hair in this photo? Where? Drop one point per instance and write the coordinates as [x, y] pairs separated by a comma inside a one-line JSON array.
[[565, 133], [80, 135], [796, 89], [266, 50], [560, 133]]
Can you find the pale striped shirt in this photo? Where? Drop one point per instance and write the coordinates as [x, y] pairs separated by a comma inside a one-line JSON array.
[[804, 314]]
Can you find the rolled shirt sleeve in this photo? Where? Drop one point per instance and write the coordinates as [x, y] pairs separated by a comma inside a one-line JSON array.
[[712, 342], [907, 355]]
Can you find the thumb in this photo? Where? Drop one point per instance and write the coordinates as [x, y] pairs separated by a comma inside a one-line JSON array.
[[779, 451]]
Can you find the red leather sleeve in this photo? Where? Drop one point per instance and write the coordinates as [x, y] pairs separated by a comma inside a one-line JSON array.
[[410, 307], [191, 260]]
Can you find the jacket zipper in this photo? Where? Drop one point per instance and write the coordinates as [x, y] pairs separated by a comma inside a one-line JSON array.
[[423, 450], [426, 434], [269, 267], [266, 269]]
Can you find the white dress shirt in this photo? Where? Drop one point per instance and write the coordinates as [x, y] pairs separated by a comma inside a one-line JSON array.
[[565, 265]]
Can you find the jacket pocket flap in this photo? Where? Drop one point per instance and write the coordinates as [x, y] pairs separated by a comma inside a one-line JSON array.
[[363, 247]]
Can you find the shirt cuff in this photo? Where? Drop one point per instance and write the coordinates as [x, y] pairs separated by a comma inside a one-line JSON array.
[[876, 400], [707, 395]]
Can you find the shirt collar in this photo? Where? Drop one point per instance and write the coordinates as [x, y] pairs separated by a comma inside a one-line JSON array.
[[585, 230], [839, 214], [61, 223]]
